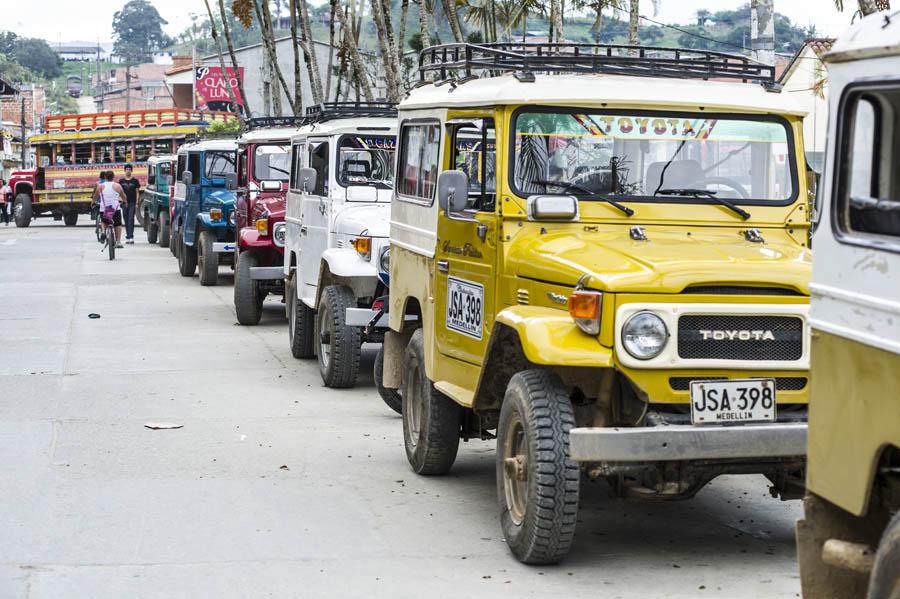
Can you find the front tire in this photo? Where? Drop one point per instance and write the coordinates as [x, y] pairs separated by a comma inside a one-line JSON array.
[[301, 322], [430, 418], [537, 482], [187, 258], [163, 220], [152, 229], [247, 298], [23, 210], [885, 580], [70, 218], [391, 397], [209, 259], [339, 344]]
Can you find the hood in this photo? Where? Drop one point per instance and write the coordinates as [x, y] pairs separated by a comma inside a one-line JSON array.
[[272, 207], [373, 219], [668, 262], [220, 197]]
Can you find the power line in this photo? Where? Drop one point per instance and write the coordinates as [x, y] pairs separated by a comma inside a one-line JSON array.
[[685, 31]]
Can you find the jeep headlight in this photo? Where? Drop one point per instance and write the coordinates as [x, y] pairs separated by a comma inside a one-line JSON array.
[[644, 335], [231, 217], [384, 261], [278, 233]]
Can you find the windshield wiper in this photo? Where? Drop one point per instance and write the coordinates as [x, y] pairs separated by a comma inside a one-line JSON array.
[[570, 186], [707, 193]]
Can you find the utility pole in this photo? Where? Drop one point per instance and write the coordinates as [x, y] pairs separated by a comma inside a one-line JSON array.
[[127, 86], [23, 128], [762, 30]]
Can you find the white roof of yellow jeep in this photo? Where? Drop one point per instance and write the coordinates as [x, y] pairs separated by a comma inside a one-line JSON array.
[[871, 37], [616, 91], [360, 125]]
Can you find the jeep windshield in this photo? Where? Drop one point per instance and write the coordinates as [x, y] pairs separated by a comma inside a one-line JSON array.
[[220, 164], [272, 162], [654, 157], [366, 160]]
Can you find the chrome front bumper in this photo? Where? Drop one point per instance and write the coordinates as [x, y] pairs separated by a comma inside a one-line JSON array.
[[360, 317], [266, 273], [686, 442]]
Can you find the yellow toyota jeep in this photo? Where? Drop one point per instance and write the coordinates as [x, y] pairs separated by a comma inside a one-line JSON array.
[[600, 256]]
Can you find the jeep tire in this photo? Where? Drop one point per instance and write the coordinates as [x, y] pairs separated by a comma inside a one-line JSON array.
[[22, 210], [431, 420], [152, 229], [537, 482], [338, 345], [208, 259], [173, 240], [247, 298], [70, 218], [163, 220], [390, 396], [301, 322], [885, 580], [187, 257]]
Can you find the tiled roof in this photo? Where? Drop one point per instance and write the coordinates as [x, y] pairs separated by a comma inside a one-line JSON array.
[[819, 45]]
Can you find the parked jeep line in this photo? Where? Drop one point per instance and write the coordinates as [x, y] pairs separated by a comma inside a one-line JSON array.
[[848, 543], [205, 222], [610, 277], [264, 167], [155, 198], [338, 209]]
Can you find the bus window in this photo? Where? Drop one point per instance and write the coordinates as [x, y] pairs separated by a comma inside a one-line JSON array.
[[142, 150], [83, 153]]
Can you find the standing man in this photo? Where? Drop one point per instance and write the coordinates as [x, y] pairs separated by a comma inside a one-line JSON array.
[[131, 187], [5, 193]]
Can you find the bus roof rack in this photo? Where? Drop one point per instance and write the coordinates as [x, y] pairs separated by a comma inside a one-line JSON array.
[[267, 122], [327, 111], [463, 61]]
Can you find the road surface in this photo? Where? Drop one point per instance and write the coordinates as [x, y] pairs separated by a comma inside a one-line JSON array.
[[276, 486]]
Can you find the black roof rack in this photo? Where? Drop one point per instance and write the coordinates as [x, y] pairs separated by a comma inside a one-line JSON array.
[[327, 111], [463, 61], [266, 122]]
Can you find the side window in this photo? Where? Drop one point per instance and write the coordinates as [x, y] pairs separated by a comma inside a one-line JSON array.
[[182, 163], [417, 165], [165, 171], [318, 161], [475, 153], [193, 165], [297, 151], [868, 201], [242, 167]]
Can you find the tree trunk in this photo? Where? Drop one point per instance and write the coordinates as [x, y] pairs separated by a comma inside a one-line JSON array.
[[597, 27], [385, 49], [453, 19], [633, 21], [558, 21], [401, 35], [328, 74], [264, 16], [867, 7], [355, 58], [215, 35], [309, 48], [295, 42], [234, 63]]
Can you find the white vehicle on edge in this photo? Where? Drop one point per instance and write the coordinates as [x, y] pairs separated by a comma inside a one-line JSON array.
[[338, 220]]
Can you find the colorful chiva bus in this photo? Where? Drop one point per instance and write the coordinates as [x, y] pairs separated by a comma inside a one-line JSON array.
[[74, 149]]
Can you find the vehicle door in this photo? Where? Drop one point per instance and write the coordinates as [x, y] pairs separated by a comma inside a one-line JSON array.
[[193, 199], [163, 173], [243, 208], [466, 252], [315, 211]]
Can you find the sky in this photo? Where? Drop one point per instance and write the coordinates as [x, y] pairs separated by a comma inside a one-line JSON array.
[[64, 20]]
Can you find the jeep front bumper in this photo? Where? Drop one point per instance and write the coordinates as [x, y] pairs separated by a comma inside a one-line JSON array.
[[687, 442], [360, 317]]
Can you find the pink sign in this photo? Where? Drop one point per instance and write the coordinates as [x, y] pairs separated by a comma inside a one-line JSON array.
[[211, 89]]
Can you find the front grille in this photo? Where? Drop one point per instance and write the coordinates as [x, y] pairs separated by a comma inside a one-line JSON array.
[[782, 383], [738, 290], [721, 337]]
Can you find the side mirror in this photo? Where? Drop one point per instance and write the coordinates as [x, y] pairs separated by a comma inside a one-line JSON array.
[[552, 207], [231, 182], [306, 179], [187, 177], [270, 185], [453, 191]]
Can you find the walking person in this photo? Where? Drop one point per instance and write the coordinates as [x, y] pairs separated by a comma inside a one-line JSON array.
[[131, 187], [5, 206]]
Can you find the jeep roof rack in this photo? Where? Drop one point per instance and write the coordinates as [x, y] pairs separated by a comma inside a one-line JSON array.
[[266, 122], [327, 111], [450, 61]]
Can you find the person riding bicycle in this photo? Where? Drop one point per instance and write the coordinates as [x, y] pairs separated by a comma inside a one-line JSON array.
[[110, 196]]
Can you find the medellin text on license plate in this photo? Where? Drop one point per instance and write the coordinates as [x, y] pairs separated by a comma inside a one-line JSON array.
[[726, 401]]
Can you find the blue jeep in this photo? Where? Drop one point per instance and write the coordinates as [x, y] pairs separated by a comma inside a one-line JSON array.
[[204, 201]]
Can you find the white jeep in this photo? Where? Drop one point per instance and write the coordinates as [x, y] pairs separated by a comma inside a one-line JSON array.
[[338, 218]]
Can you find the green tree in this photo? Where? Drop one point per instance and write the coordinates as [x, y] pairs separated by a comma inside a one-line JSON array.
[[137, 31], [37, 55]]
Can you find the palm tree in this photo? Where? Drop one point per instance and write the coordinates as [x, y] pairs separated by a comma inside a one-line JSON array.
[[634, 17], [866, 7]]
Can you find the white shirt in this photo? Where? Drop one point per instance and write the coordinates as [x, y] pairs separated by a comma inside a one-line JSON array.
[[109, 196]]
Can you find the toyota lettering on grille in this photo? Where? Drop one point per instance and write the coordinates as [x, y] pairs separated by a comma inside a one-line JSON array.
[[737, 335]]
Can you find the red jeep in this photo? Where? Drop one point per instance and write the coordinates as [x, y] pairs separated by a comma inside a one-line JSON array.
[[264, 165]]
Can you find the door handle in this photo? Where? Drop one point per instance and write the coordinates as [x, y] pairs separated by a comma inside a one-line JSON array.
[[443, 265], [303, 230]]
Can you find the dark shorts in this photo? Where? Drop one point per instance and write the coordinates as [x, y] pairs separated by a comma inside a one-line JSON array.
[[116, 219]]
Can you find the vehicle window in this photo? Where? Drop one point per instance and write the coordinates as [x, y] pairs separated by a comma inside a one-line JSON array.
[[868, 202], [83, 153], [142, 150], [182, 163], [296, 163], [271, 163], [366, 160], [194, 167], [475, 153], [220, 164], [418, 162], [318, 161], [653, 157], [165, 169]]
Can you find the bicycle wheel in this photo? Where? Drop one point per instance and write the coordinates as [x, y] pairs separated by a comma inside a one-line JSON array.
[[111, 241]]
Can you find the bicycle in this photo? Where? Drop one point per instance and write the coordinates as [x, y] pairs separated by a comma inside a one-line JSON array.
[[109, 240]]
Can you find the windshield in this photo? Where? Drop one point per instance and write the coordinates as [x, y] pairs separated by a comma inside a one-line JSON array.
[[272, 163], [366, 160], [646, 156], [219, 164]]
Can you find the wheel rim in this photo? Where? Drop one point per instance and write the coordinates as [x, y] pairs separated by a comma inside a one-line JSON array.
[[514, 459], [325, 338], [18, 211], [412, 411]]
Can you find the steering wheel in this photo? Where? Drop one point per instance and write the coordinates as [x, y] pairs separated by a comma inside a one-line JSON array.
[[730, 183]]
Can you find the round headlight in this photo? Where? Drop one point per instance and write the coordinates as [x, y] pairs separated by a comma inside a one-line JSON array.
[[644, 335], [278, 233], [231, 217], [384, 261]]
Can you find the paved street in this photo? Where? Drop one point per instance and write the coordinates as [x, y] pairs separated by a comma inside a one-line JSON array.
[[276, 486]]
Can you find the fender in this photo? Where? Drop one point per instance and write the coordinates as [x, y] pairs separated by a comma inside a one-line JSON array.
[[550, 337], [207, 223], [344, 265], [249, 237]]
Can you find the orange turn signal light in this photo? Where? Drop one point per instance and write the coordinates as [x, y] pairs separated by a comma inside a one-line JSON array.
[[584, 307], [262, 226], [363, 246]]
